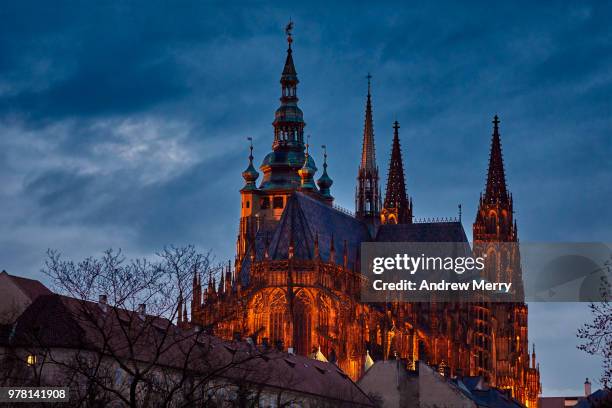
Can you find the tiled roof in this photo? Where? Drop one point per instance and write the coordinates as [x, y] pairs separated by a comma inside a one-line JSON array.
[[31, 287], [64, 322]]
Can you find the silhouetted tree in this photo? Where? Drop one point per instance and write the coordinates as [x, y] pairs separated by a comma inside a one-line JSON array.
[[596, 335]]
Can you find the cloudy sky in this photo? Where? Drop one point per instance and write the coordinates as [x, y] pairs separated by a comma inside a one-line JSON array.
[[125, 125]]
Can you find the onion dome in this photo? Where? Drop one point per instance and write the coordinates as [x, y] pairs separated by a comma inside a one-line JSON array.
[[325, 182], [307, 173], [250, 175]]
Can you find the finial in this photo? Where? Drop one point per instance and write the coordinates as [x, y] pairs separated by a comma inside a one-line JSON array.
[[324, 147], [396, 126], [369, 77], [288, 29], [459, 212], [495, 122], [250, 139]]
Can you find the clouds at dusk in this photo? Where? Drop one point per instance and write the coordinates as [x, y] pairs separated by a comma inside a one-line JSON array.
[[125, 125]]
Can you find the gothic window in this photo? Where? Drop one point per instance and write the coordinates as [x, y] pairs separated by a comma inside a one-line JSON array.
[[277, 317], [302, 323], [278, 202], [265, 203]]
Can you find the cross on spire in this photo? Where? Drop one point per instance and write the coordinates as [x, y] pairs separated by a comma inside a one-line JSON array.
[[288, 30], [496, 178]]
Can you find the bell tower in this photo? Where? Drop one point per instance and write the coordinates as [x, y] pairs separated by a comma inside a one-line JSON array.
[[367, 196]]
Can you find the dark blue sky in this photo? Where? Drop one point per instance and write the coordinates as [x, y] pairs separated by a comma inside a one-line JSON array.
[[125, 125]]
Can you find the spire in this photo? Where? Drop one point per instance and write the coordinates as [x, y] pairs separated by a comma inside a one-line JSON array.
[[280, 167], [496, 179], [367, 196], [325, 182], [307, 171], [397, 208], [250, 175], [368, 152], [288, 122]]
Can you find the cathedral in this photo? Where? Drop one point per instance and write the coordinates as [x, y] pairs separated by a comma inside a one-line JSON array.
[[295, 283]]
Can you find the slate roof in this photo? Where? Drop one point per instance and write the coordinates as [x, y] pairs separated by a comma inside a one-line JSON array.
[[305, 218], [31, 287], [597, 399]]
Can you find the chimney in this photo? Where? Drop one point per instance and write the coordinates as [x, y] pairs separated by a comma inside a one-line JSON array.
[[587, 388], [142, 311], [102, 301]]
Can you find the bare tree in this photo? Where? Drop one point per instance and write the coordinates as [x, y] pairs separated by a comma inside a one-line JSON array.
[[596, 335], [113, 338]]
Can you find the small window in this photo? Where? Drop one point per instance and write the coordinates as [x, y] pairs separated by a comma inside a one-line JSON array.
[[248, 204], [31, 359], [265, 203], [278, 202]]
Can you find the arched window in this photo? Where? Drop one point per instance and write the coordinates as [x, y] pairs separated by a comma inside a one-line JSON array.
[[277, 317], [303, 323]]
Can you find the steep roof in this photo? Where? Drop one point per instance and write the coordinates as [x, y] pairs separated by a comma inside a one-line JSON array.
[[30, 287], [305, 219]]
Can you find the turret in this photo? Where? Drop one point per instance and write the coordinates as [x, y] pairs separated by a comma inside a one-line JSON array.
[[325, 182]]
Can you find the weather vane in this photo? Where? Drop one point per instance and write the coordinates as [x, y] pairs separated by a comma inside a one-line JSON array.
[[288, 30]]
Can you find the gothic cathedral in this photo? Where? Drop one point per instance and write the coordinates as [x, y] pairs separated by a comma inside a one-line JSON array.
[[296, 279]]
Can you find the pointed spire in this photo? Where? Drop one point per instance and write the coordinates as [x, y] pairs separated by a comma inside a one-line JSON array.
[[288, 122], [316, 246], [397, 207], [250, 175], [308, 170], [367, 196], [325, 182], [496, 178], [368, 152], [332, 250]]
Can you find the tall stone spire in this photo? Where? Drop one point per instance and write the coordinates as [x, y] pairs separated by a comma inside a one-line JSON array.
[[496, 178], [368, 152], [367, 196], [397, 208], [494, 219]]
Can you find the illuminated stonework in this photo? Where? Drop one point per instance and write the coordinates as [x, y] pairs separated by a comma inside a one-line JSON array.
[[295, 282]]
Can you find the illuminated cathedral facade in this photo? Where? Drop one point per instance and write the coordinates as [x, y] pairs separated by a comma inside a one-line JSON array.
[[296, 279]]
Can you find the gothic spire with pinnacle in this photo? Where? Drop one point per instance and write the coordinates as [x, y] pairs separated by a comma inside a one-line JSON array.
[[397, 207], [368, 152], [367, 196], [496, 179]]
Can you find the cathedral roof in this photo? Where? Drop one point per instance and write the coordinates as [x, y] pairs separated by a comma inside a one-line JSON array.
[[422, 232], [306, 218]]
